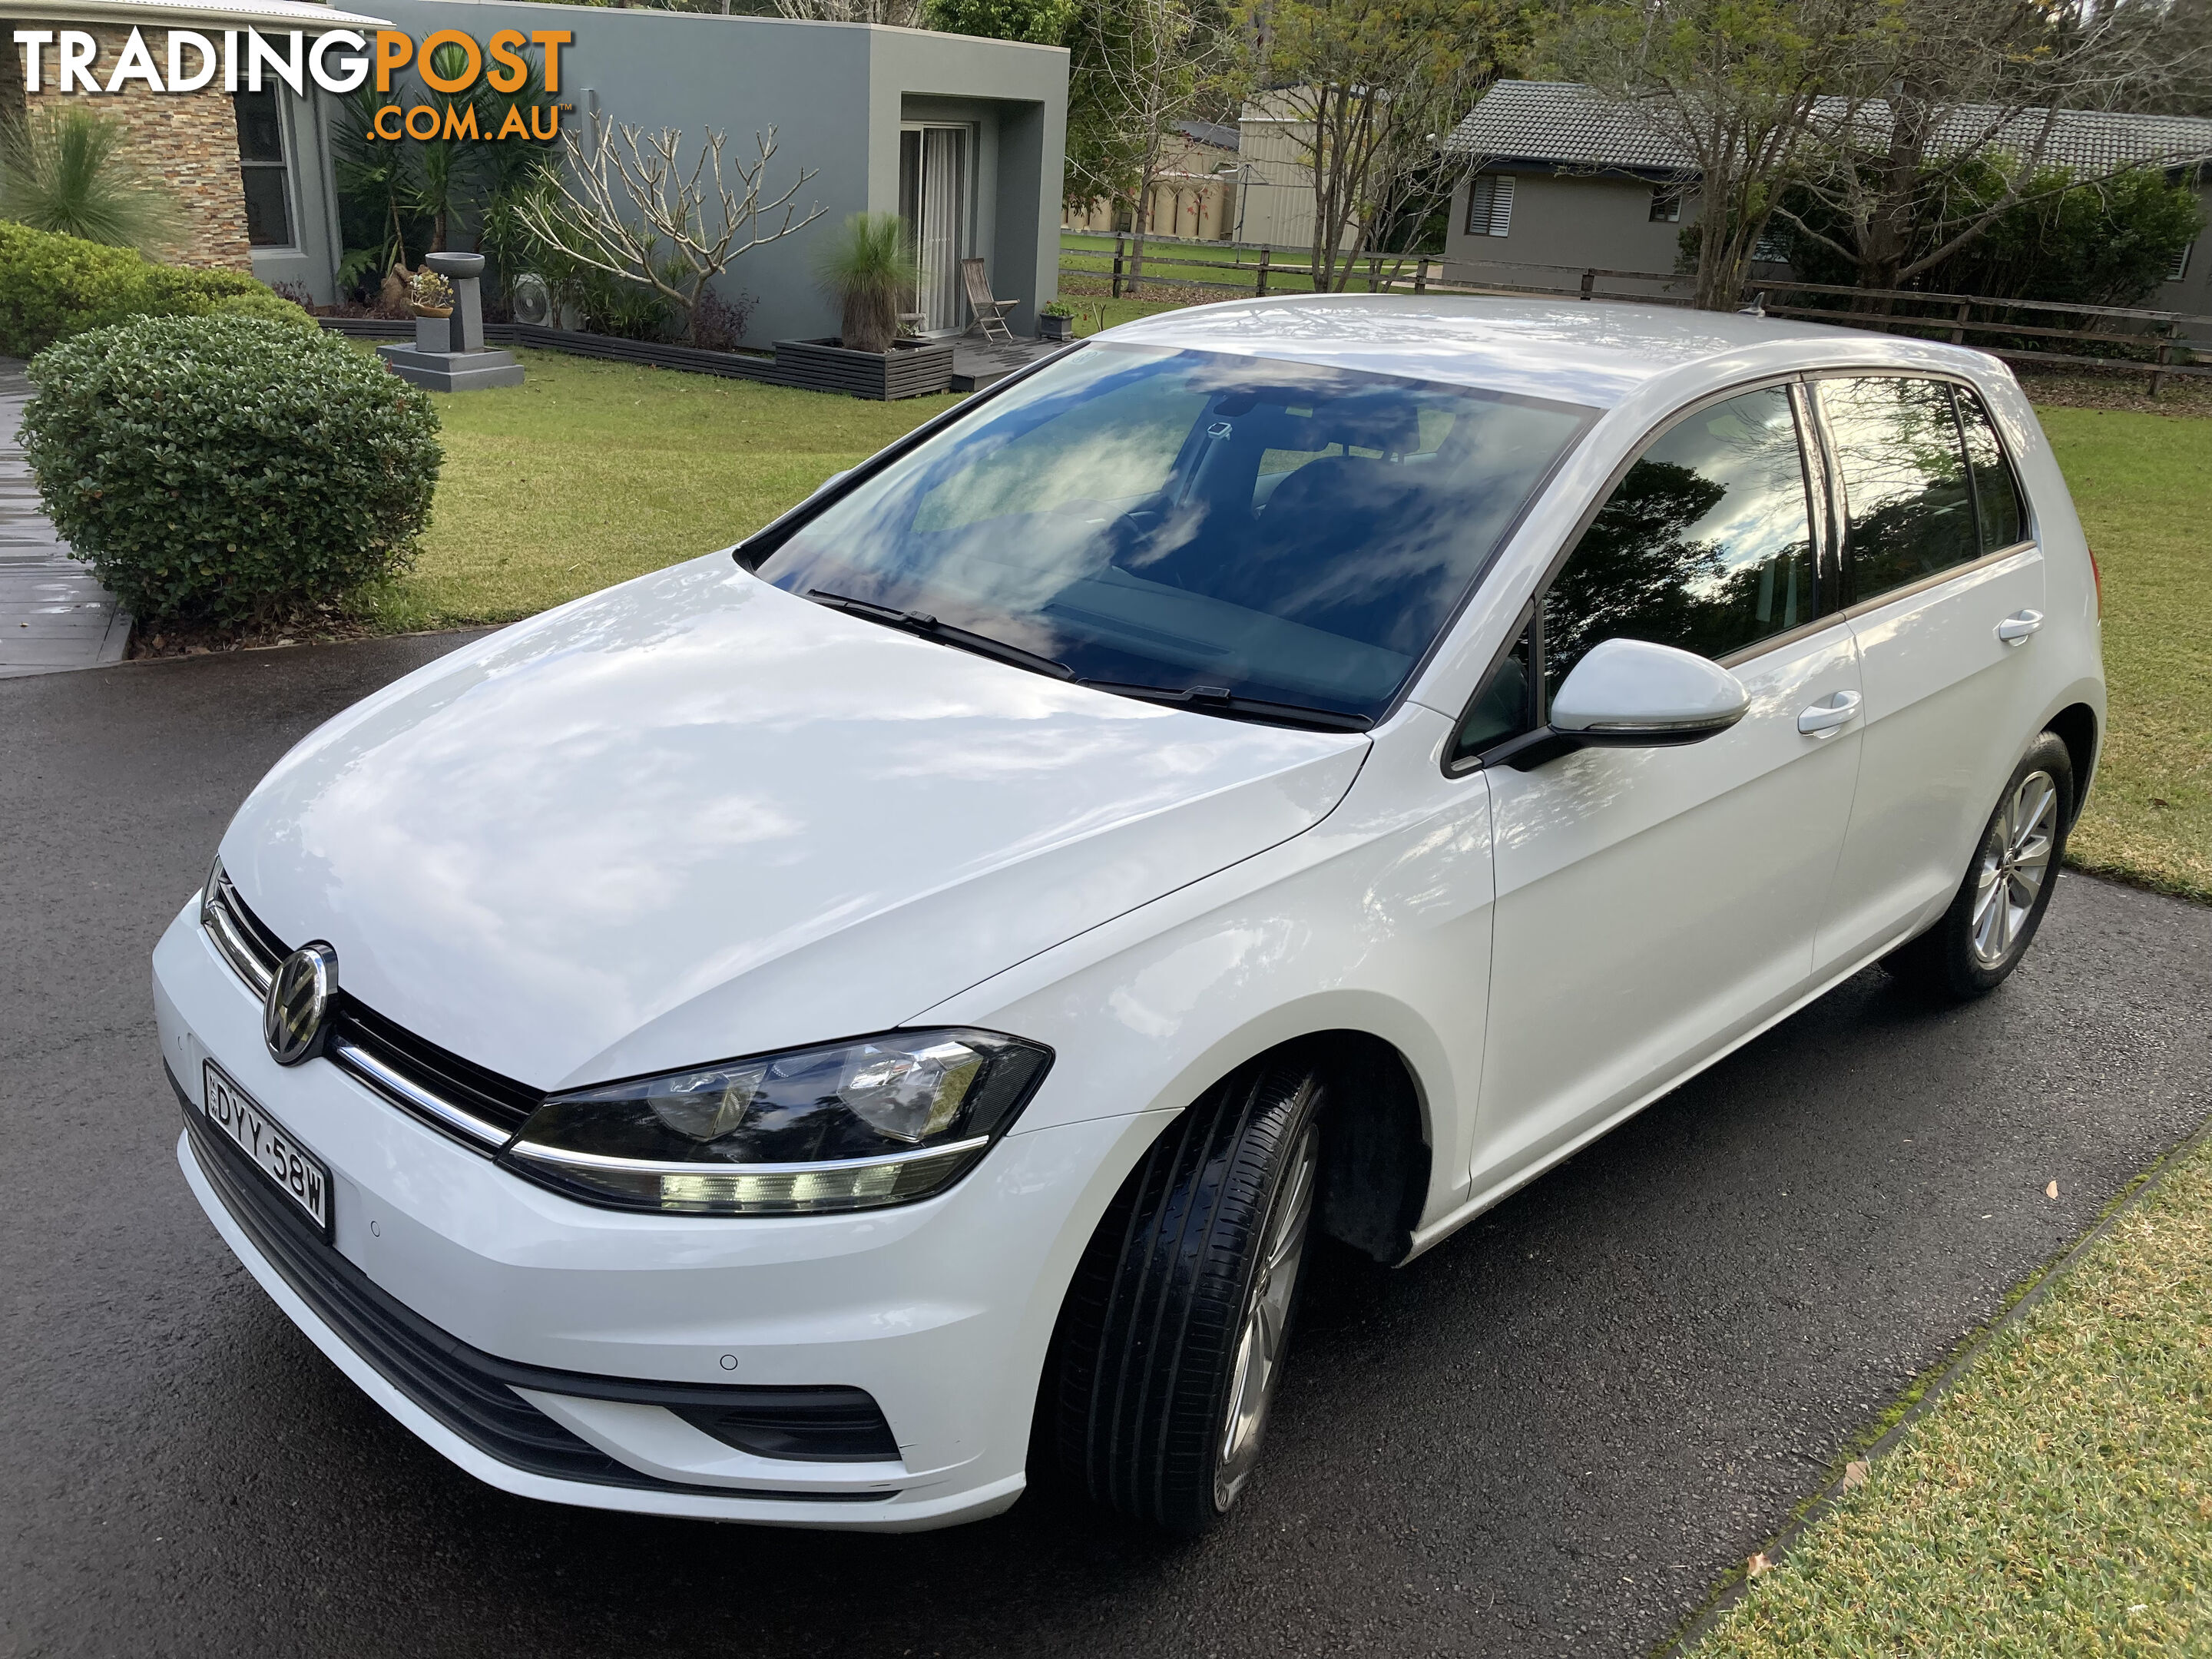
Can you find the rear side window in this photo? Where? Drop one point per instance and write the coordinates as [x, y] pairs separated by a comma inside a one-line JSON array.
[[1996, 491], [1910, 508], [1706, 543]]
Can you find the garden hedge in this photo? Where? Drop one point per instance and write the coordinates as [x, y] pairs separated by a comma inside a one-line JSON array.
[[53, 287], [224, 469]]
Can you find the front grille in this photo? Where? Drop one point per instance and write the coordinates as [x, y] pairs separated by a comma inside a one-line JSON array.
[[472, 1393], [477, 1107]]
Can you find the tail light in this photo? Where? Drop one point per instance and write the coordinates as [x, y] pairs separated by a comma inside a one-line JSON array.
[[2097, 577]]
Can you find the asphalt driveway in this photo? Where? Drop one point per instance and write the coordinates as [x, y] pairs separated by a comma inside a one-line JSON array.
[[1548, 1435]]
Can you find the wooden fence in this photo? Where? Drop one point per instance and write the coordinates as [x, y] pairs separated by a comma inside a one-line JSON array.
[[2136, 339]]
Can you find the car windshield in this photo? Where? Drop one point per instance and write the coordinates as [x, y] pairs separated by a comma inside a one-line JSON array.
[[1165, 522]]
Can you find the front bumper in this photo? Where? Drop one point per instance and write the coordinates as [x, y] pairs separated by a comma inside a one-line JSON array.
[[493, 1318]]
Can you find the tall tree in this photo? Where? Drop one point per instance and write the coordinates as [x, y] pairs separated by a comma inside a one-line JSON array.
[[1733, 85], [1948, 98], [1139, 67], [1366, 87]]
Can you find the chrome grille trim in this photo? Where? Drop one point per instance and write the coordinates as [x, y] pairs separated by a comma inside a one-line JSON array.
[[221, 918], [370, 1050], [402, 1091]]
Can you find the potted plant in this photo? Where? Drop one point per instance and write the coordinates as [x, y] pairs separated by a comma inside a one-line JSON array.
[[1056, 321], [868, 267], [429, 294]]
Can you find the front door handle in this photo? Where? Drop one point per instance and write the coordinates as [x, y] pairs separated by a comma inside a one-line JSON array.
[[2019, 625], [1824, 716]]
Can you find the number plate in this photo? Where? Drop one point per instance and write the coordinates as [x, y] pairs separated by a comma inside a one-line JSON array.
[[302, 1177]]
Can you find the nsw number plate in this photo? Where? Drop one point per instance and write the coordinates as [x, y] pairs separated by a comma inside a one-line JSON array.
[[304, 1178]]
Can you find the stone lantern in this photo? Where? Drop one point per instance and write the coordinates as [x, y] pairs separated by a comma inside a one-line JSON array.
[[448, 354]]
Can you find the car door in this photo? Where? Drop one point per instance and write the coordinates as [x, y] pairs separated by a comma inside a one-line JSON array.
[[1944, 588], [1653, 904]]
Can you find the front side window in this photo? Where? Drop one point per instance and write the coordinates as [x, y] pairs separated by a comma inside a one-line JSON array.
[[1910, 509], [1706, 545], [1165, 521], [261, 168]]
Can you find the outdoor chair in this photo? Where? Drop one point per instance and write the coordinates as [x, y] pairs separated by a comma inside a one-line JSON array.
[[990, 313]]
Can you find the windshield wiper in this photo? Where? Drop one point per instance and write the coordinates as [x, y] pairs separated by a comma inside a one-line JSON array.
[[921, 623], [1220, 700]]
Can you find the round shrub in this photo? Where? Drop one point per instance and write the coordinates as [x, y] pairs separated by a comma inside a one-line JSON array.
[[53, 286], [224, 469]]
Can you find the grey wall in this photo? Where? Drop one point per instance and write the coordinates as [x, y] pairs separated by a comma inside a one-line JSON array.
[[835, 93], [2193, 293], [315, 250], [1564, 224]]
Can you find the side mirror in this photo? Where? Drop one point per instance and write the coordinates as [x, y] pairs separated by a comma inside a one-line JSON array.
[[1628, 694]]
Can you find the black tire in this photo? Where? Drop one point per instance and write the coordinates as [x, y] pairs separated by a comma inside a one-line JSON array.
[[1149, 1340], [1954, 961]]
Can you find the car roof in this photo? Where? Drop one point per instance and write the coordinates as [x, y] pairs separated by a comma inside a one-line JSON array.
[[1592, 353]]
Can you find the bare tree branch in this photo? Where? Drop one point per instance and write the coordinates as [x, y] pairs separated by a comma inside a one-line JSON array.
[[631, 209]]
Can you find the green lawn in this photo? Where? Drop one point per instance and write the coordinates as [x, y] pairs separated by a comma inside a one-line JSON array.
[[2057, 1502], [590, 473], [593, 473], [1094, 249], [2143, 486]]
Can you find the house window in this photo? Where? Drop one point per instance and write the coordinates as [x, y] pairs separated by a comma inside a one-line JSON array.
[[261, 170], [1490, 204], [2180, 268], [1666, 204]]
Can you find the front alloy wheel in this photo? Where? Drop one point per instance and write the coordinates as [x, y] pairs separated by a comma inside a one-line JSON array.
[[1171, 1346], [1266, 1335]]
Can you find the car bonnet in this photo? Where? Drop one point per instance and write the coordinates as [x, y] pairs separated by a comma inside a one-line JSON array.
[[695, 817]]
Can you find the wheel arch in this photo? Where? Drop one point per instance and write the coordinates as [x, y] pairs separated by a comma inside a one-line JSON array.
[[1379, 1144], [2076, 726]]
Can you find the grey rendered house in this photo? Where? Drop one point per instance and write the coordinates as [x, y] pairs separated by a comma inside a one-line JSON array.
[[962, 135], [1560, 181]]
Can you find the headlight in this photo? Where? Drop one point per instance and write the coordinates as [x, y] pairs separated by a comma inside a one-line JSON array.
[[851, 1126]]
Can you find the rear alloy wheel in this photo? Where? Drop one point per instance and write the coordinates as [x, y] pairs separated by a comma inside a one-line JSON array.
[[1172, 1341], [1991, 922]]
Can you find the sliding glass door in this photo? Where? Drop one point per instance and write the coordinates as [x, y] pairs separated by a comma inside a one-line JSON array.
[[933, 202]]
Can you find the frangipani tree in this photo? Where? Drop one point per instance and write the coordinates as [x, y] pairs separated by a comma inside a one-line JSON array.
[[626, 204]]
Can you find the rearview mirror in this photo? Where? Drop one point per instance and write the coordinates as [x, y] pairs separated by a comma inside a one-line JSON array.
[[1629, 693]]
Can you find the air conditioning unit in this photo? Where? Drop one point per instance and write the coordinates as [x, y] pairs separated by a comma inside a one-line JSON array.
[[532, 300]]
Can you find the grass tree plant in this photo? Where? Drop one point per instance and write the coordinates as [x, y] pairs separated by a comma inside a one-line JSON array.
[[66, 172], [869, 266]]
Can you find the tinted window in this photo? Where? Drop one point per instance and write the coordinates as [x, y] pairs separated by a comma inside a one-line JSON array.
[[1706, 543], [1996, 492], [1502, 709], [1169, 519], [1904, 478]]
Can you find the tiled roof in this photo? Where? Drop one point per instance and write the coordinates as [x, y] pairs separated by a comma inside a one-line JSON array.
[[1570, 124]]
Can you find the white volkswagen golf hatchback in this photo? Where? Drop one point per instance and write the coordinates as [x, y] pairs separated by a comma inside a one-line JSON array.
[[793, 1037]]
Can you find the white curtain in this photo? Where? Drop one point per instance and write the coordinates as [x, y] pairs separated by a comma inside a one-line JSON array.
[[941, 231]]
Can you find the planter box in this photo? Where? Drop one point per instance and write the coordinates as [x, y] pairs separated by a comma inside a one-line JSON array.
[[1055, 328], [904, 371]]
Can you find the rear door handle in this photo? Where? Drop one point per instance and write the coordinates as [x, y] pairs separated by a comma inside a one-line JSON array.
[[2019, 625], [1840, 709]]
